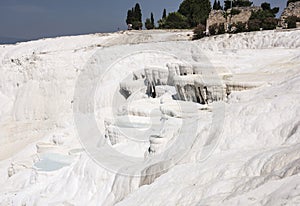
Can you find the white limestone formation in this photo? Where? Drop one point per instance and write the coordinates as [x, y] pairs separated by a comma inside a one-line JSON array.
[[251, 158]]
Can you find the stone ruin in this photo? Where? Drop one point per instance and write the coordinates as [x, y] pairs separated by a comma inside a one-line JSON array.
[[293, 9], [224, 17]]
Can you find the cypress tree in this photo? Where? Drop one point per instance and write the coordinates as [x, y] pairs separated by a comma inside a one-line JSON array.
[[219, 5], [152, 19], [129, 18], [138, 13], [215, 7], [164, 14]]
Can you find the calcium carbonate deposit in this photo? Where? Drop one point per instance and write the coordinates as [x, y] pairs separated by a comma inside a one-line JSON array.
[[151, 118]]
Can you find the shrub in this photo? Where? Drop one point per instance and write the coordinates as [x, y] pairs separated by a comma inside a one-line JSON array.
[[213, 29], [221, 29], [199, 32], [239, 27], [216, 29], [148, 24], [254, 25], [291, 22]]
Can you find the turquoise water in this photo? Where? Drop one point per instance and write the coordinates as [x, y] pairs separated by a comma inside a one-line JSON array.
[[52, 161]]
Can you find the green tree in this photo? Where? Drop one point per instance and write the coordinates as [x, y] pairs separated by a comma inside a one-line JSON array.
[[149, 24], [239, 27], [227, 5], [134, 17], [175, 20], [264, 18], [269, 23], [138, 13], [215, 6], [152, 19], [267, 8], [129, 18], [164, 14], [161, 23], [196, 11], [137, 25], [236, 3], [219, 7]]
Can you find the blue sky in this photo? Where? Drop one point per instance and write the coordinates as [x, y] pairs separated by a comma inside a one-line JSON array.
[[31, 19]]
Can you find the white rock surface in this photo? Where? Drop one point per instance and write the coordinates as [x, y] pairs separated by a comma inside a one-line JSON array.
[[252, 159]]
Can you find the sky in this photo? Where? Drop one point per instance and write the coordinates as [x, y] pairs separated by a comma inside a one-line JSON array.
[[33, 19]]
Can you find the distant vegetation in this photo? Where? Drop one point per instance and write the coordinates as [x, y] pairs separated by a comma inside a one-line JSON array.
[[217, 5], [174, 20], [194, 14], [196, 11], [149, 24], [189, 15], [134, 17], [264, 18], [261, 19], [199, 32], [236, 3]]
